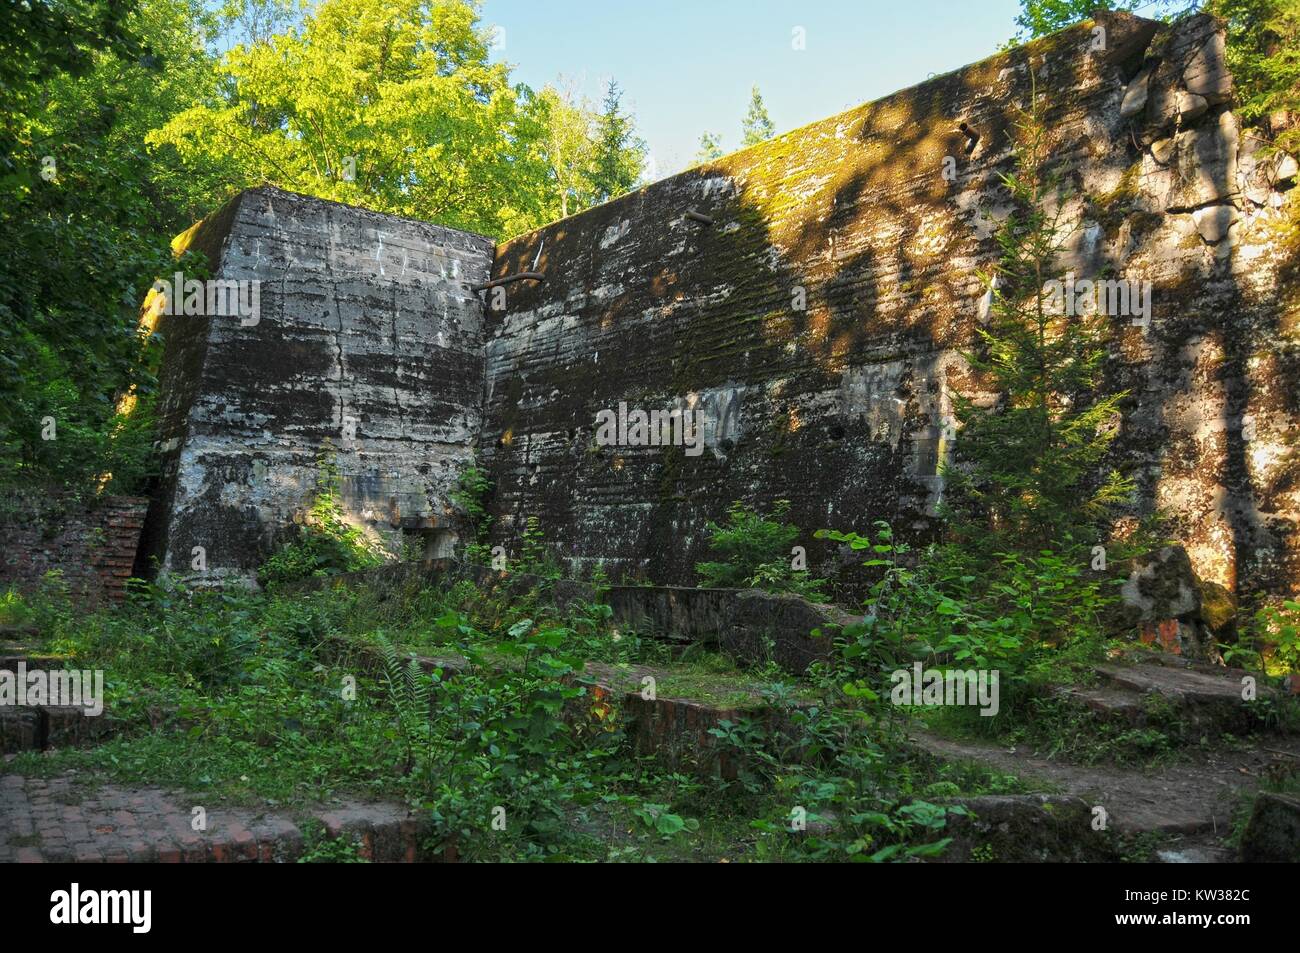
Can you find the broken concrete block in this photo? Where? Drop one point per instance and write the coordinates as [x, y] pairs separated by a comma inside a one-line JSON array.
[[1207, 164], [1258, 195], [1125, 34], [1135, 96], [782, 626], [370, 337], [1218, 610], [1162, 110], [1213, 222], [1285, 168], [20, 730], [1025, 828], [1272, 834], [1207, 74], [1161, 585], [1191, 106]]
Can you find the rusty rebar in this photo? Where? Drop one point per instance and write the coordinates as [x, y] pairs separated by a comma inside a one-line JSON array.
[[508, 279]]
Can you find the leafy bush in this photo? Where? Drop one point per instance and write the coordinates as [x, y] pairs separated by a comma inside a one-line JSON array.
[[756, 553], [534, 555], [1279, 629], [14, 607], [859, 796], [493, 744], [320, 848], [1271, 641], [1029, 616], [470, 494], [326, 542]]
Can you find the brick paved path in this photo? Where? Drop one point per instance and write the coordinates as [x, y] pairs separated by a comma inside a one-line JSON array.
[[56, 820]]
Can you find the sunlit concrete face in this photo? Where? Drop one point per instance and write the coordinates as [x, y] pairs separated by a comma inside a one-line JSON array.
[[832, 297], [810, 298], [369, 343]]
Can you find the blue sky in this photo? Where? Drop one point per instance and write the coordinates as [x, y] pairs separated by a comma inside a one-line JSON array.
[[688, 66]]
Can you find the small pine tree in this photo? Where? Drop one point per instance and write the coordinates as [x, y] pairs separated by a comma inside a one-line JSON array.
[[619, 152], [1029, 468], [757, 126], [710, 147], [755, 549]]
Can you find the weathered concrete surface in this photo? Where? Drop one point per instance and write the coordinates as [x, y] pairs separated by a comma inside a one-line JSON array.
[[818, 323], [1272, 834], [1025, 828], [369, 339], [1184, 698], [751, 626], [842, 405]]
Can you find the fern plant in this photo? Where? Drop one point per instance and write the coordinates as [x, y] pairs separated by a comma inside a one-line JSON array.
[[409, 690]]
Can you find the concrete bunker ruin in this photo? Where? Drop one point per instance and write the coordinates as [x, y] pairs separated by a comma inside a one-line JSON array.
[[820, 314]]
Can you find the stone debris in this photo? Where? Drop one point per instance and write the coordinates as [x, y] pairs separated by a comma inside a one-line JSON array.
[[1272, 834]]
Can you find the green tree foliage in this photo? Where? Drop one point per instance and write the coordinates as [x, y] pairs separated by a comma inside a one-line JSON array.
[[1041, 17], [710, 147], [1028, 468], [756, 553], [86, 216], [757, 125], [590, 156], [1264, 55], [40, 40], [620, 154], [395, 106], [568, 148]]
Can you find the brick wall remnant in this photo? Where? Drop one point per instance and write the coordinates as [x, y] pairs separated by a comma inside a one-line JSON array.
[[92, 544]]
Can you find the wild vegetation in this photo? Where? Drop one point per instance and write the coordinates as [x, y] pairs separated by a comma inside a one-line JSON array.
[[122, 124], [756, 552], [246, 697], [473, 705]]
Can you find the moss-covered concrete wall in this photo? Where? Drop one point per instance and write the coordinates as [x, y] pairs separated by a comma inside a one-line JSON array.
[[816, 317], [819, 319], [368, 343]]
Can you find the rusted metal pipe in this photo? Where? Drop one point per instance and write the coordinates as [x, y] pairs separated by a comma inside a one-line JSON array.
[[972, 137], [700, 217], [508, 279]]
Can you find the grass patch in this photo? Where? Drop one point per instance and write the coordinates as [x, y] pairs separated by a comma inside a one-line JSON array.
[[290, 699]]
